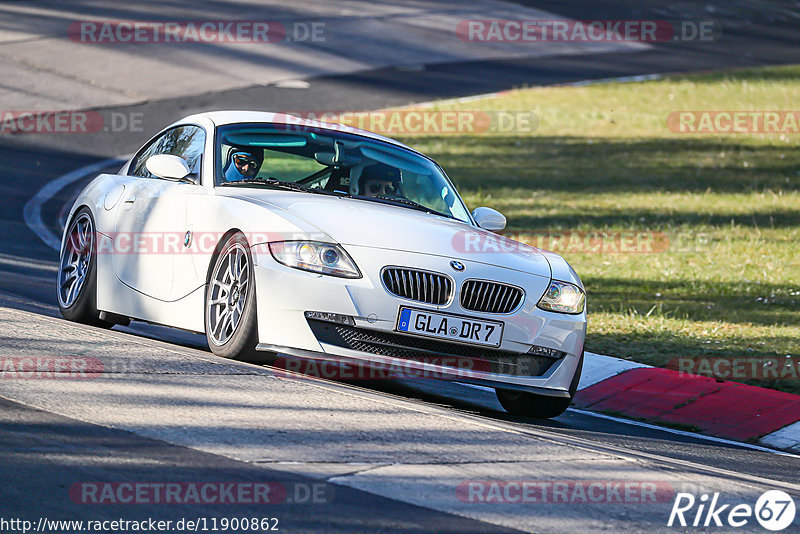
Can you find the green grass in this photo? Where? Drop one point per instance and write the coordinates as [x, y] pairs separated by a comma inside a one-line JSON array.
[[603, 159]]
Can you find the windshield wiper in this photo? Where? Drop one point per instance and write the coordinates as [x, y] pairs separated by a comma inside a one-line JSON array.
[[280, 184], [293, 186], [315, 175], [403, 202]]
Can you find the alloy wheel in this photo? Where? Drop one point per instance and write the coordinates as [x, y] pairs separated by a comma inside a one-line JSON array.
[[227, 294]]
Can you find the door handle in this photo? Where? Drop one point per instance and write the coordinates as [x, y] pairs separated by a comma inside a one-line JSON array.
[[130, 200]]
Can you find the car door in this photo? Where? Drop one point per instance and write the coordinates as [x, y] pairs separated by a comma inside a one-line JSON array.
[[151, 220]]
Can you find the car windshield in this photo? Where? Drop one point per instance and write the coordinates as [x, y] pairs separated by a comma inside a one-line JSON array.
[[335, 163]]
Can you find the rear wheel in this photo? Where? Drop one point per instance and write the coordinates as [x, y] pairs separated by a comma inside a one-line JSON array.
[[230, 308], [540, 406], [77, 272]]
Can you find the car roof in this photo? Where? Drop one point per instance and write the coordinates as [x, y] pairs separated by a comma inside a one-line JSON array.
[[222, 118]]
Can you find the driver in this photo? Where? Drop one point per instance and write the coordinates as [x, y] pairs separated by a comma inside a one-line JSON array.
[[380, 180], [243, 163]]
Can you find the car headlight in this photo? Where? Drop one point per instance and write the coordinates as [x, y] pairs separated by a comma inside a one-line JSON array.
[[563, 297], [323, 258]]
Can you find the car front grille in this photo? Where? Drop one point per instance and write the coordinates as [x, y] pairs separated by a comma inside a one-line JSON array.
[[490, 297], [421, 349], [414, 284]]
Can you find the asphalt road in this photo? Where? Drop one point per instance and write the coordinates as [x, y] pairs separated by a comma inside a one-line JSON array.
[[44, 452], [46, 455]]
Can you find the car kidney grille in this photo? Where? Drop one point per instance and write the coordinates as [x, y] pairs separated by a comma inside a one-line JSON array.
[[490, 297], [422, 286]]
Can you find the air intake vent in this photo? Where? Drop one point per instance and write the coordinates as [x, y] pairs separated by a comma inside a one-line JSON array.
[[461, 356], [490, 297], [422, 286]]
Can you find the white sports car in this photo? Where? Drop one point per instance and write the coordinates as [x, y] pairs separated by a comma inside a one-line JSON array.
[[321, 242]]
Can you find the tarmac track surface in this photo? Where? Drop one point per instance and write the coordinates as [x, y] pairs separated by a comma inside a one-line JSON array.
[[57, 433]]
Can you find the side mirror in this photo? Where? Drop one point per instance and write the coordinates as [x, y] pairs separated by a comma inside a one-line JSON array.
[[168, 167], [489, 219]]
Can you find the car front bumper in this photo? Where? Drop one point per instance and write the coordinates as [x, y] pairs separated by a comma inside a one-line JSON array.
[[284, 295]]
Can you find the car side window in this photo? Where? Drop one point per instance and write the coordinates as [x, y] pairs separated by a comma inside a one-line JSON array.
[[187, 142]]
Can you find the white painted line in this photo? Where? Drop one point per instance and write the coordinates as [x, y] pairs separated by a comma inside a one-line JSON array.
[[28, 263], [620, 79], [33, 208], [787, 437], [597, 368], [672, 430], [681, 432], [484, 96], [292, 84]]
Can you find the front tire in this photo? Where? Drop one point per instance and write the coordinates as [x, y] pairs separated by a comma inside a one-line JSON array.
[[230, 303], [539, 406], [77, 272]]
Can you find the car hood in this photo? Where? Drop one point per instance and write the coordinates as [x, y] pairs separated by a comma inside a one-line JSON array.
[[381, 226]]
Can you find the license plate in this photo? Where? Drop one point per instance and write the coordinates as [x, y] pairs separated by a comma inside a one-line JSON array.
[[450, 327]]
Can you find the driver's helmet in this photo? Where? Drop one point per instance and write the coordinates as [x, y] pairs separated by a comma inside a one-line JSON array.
[[243, 163], [380, 180]]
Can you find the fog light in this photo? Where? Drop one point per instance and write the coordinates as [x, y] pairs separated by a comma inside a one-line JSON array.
[[547, 352], [331, 317]]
